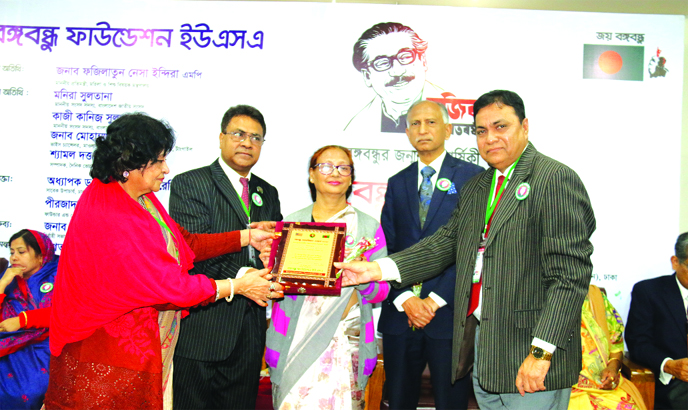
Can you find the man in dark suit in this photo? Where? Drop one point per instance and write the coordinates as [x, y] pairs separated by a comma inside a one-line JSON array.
[[656, 330], [218, 357], [522, 252], [416, 321]]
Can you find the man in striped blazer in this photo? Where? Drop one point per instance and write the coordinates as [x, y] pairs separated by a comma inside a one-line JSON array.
[[219, 353], [522, 250]]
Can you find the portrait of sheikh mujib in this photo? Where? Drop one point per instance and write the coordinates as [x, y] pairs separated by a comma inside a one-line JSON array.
[[391, 59]]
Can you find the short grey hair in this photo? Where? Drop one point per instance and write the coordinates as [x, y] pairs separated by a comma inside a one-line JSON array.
[[681, 247], [443, 109]]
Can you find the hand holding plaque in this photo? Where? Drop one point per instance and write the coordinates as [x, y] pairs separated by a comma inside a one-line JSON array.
[[303, 254]]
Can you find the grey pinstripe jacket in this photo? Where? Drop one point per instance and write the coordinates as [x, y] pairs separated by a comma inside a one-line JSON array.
[[536, 269], [203, 200]]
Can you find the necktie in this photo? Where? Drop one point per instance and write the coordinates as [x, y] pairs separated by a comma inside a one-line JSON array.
[[475, 289], [244, 192], [425, 193]]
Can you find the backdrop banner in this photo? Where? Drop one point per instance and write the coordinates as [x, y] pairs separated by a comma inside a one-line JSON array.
[[595, 86]]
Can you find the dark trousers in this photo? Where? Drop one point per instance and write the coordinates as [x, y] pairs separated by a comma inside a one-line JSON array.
[[227, 384], [406, 356], [673, 396]]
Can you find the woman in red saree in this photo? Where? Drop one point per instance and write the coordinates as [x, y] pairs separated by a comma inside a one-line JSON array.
[[123, 280]]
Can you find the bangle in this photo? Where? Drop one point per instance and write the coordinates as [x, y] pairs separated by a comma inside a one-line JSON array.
[[23, 320], [217, 293], [231, 283], [614, 358]]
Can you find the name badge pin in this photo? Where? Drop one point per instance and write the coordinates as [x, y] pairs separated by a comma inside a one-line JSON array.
[[443, 184], [523, 191], [46, 287], [257, 199]]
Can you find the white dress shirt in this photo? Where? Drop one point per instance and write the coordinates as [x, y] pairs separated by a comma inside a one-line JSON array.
[[235, 178], [436, 165]]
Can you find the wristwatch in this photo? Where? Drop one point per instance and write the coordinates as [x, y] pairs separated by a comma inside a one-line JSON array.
[[540, 354]]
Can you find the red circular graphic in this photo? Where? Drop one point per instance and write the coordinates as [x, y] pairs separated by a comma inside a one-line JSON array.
[[610, 62]]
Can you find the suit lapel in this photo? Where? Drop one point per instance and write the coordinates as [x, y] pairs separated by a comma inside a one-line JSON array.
[[674, 302], [255, 187], [508, 204], [227, 189], [412, 197]]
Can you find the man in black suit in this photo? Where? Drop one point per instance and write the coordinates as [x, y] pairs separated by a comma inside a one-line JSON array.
[[417, 321], [218, 357], [656, 329]]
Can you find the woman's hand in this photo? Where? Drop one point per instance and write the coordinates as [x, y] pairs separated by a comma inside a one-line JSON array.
[[610, 376], [8, 277], [256, 285], [10, 325]]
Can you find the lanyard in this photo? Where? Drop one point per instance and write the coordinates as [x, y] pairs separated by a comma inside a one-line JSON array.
[[247, 210], [494, 198]]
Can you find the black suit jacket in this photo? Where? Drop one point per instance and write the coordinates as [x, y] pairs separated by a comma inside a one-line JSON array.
[[203, 200], [536, 269], [401, 223], [656, 327]]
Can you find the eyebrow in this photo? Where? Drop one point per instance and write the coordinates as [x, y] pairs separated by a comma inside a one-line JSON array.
[[499, 121], [249, 133]]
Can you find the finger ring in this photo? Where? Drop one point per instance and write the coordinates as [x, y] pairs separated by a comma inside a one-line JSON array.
[[272, 286]]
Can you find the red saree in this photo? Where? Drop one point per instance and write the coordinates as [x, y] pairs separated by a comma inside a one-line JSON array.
[[115, 274]]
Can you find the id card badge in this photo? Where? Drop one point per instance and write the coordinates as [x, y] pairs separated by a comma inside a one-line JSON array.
[[478, 270], [251, 251]]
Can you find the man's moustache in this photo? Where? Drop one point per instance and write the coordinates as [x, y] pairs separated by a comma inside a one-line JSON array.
[[396, 80]]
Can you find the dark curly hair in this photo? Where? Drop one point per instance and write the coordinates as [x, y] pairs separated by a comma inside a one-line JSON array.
[[132, 141], [360, 58], [314, 160]]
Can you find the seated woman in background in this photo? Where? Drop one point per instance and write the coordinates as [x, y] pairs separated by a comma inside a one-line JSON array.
[[124, 279], [321, 349], [600, 384], [26, 290]]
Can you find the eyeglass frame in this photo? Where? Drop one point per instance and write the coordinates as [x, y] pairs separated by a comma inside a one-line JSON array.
[[391, 59], [318, 166], [255, 139]]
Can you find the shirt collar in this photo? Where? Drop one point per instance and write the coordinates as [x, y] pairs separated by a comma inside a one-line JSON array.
[[436, 164], [233, 176], [506, 171], [684, 291]]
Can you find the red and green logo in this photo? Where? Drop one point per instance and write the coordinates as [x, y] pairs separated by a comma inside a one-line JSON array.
[[607, 62]]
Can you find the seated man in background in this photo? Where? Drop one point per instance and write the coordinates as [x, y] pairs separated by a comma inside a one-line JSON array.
[[656, 330]]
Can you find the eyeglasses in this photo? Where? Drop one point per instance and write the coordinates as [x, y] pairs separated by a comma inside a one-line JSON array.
[[240, 136], [327, 168], [383, 63]]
